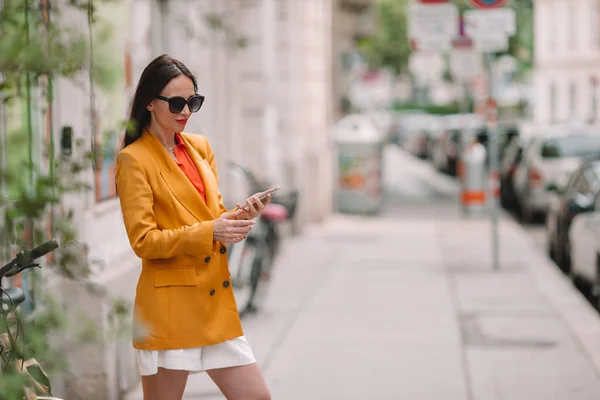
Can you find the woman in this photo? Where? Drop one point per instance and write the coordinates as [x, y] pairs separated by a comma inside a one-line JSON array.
[[177, 224]]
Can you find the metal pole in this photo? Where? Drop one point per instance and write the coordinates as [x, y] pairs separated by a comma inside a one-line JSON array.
[[464, 100], [3, 159], [494, 163], [3, 137], [27, 305]]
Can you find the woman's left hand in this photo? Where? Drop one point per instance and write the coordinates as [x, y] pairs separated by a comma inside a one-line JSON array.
[[253, 206]]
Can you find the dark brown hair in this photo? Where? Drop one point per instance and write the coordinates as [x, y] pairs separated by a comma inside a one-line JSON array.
[[153, 80]]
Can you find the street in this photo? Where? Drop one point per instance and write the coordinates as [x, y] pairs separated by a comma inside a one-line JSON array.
[[407, 306]]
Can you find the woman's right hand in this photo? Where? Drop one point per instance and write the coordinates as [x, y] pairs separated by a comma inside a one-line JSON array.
[[228, 229]]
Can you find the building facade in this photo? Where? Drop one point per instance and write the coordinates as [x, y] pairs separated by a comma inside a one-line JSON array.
[[272, 74], [265, 67], [567, 60]]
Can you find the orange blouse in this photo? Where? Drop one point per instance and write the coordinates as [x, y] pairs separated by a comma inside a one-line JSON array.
[[187, 166]]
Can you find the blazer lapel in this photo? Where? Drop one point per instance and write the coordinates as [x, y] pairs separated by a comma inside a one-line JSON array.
[[177, 182], [211, 186]]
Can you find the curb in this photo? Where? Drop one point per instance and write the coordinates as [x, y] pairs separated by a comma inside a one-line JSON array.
[[579, 316]]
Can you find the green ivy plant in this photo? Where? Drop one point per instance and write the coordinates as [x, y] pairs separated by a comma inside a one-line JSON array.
[[34, 46]]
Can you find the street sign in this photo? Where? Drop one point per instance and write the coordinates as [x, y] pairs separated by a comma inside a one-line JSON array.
[[432, 26], [426, 66], [430, 44], [465, 64], [488, 4], [490, 29], [491, 44], [500, 21]]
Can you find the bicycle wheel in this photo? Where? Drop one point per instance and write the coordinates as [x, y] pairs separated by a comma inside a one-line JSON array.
[[12, 340], [241, 260], [257, 283]]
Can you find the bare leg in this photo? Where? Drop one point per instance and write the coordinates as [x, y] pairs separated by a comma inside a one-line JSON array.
[[167, 384], [241, 383]]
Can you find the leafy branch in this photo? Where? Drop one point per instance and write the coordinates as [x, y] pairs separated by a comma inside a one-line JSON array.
[[35, 43]]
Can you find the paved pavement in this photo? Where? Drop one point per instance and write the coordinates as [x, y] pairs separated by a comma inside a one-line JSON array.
[[407, 306]]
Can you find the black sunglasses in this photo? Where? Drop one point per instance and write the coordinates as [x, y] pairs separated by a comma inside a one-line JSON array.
[[176, 104]]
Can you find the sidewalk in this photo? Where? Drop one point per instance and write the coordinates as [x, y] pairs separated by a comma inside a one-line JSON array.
[[408, 307]]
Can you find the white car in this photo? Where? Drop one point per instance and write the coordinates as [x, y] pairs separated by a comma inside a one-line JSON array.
[[584, 240], [547, 159]]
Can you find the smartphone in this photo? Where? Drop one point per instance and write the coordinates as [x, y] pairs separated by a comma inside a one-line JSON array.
[[268, 192], [263, 196]]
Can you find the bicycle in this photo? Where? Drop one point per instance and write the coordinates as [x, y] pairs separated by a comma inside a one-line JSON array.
[[251, 260], [12, 356]]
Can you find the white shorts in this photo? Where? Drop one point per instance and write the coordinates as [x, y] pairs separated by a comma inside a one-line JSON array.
[[231, 353]]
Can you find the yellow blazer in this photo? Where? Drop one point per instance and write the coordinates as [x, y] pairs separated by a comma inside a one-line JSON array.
[[184, 296]]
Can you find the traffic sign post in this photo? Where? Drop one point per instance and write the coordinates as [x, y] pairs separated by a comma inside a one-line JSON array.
[[492, 128], [490, 25], [488, 4], [432, 25]]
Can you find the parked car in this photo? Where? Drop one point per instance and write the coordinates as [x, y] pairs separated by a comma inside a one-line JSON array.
[[584, 239], [546, 160], [513, 155], [566, 201]]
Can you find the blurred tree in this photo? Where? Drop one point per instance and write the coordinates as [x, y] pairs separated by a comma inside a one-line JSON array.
[[389, 45], [522, 43], [36, 46]]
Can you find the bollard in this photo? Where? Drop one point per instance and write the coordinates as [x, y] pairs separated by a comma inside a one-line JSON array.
[[472, 178]]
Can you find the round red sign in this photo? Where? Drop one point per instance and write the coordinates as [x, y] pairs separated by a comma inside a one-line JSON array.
[[488, 3]]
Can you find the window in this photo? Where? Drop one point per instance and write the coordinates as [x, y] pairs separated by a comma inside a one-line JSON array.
[[584, 185], [572, 25], [571, 146], [551, 26], [597, 202], [572, 99], [552, 100], [511, 153], [160, 25], [595, 171], [594, 29], [579, 184], [573, 183], [530, 149]]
